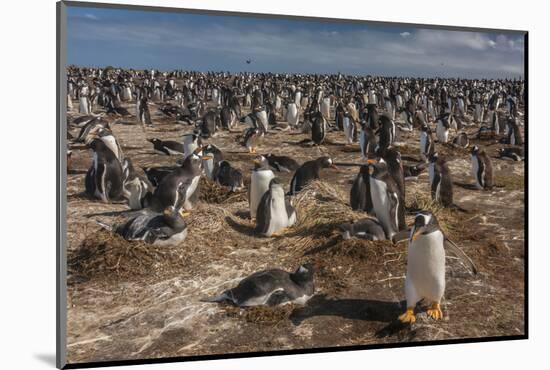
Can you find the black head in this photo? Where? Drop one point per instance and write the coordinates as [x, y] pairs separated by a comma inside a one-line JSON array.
[[326, 162], [173, 218], [475, 149], [433, 157], [424, 223], [304, 273], [378, 169], [261, 162]]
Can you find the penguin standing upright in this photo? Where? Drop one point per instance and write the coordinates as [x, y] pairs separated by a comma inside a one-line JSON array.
[[325, 108], [385, 198], [143, 111], [387, 132], [292, 115], [274, 213], [427, 145], [349, 128], [104, 179], [482, 168], [310, 170], [215, 156], [442, 128], [367, 141], [190, 143], [514, 133], [271, 288], [318, 128], [137, 187], [425, 277], [180, 188], [441, 182], [360, 194], [259, 183]]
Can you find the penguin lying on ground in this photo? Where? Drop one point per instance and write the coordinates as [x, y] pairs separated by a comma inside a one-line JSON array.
[[368, 228], [461, 140], [310, 170], [165, 229], [425, 277], [274, 213], [412, 172], [271, 288], [514, 154], [282, 163], [167, 147], [211, 165]]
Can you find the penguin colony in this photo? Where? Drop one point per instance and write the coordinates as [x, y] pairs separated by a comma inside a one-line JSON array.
[[373, 113]]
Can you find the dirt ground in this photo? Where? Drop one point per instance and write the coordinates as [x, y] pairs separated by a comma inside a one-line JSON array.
[[132, 301]]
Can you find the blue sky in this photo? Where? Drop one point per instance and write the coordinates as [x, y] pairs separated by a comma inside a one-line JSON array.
[[165, 41]]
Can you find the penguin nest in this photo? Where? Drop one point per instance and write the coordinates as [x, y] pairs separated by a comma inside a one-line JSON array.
[[103, 253], [321, 209], [211, 192]]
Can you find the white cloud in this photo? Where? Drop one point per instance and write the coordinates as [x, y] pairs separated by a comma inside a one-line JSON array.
[[91, 16], [405, 34]]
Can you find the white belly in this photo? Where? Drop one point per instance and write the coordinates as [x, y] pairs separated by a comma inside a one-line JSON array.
[[442, 133], [423, 140], [259, 184], [426, 266], [190, 191], [348, 129], [381, 205], [325, 108], [279, 218], [475, 169], [292, 114]]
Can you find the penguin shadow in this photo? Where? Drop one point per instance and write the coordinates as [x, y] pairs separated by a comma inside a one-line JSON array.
[[249, 230], [348, 308], [76, 172]]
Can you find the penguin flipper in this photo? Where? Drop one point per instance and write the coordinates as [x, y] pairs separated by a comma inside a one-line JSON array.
[[217, 298], [278, 297], [105, 226], [461, 254]]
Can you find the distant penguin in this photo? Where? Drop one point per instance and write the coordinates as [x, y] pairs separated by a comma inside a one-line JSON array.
[[282, 163], [442, 128], [349, 128], [228, 117], [165, 229], [368, 229], [310, 170], [226, 175], [461, 140], [250, 139], [325, 108], [387, 132], [372, 116], [441, 182], [209, 124], [274, 213], [104, 179], [482, 169], [425, 279], [271, 288], [167, 147], [367, 141], [360, 194], [385, 198], [427, 145], [514, 133], [318, 128], [180, 188], [144, 116], [259, 183]]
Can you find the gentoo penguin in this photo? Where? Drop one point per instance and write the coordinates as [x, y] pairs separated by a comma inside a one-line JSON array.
[[318, 128], [426, 266], [211, 165], [387, 132], [349, 128], [282, 163], [167, 147], [274, 213], [441, 182], [514, 134], [514, 154], [250, 139], [271, 288], [137, 187], [461, 140], [386, 199], [104, 179], [372, 116], [108, 139], [226, 175], [325, 108], [367, 140], [482, 169], [360, 197], [442, 128], [427, 145], [392, 157], [209, 123], [165, 229], [228, 117], [180, 188], [144, 116], [292, 115], [412, 172], [190, 143], [368, 228], [309, 171], [259, 183]]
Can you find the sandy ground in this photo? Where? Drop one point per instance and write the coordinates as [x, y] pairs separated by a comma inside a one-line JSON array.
[[132, 302]]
